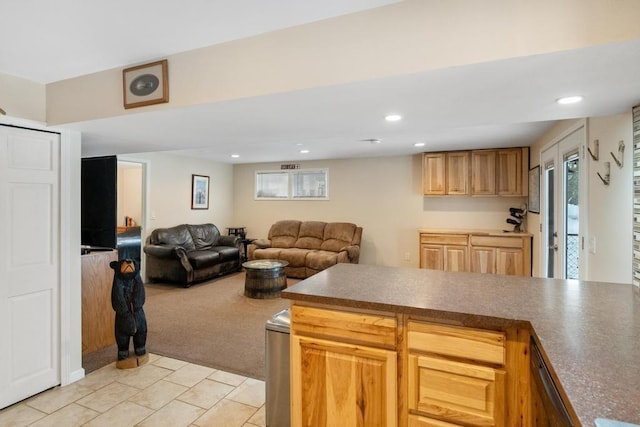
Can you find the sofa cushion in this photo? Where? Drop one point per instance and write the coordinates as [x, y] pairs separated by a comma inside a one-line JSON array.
[[319, 260], [204, 235], [203, 259], [294, 256], [173, 236], [267, 253], [283, 234], [310, 235], [337, 235], [227, 253]]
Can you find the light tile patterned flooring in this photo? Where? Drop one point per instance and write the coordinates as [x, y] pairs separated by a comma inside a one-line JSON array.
[[164, 392]]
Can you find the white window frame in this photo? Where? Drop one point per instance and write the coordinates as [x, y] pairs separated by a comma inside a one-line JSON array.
[[291, 188]]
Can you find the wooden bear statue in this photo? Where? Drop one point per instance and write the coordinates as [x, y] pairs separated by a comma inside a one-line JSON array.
[[127, 299]]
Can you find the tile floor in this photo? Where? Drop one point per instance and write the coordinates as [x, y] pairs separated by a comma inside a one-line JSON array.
[[164, 392]]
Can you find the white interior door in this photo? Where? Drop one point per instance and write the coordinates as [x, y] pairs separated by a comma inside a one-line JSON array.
[[29, 263], [561, 184]]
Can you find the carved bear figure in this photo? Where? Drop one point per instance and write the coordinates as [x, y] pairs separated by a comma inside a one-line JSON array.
[[127, 299]]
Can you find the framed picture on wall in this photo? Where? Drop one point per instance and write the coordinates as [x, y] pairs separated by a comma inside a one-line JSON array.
[[199, 192], [534, 190], [145, 84]]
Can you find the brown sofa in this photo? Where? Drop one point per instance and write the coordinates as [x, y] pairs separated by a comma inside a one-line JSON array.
[[309, 246], [190, 253]]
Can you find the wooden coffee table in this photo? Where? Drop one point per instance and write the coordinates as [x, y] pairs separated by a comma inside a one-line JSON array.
[[265, 278]]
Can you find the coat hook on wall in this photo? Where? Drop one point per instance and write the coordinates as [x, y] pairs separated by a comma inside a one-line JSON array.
[[607, 173], [620, 162], [596, 150]]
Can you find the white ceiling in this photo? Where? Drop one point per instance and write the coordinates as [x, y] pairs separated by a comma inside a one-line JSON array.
[[496, 104]]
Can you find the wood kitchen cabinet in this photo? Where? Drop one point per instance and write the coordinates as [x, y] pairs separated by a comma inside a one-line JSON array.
[[510, 173], [501, 254], [444, 252], [499, 172], [383, 369], [456, 375], [457, 173], [445, 173], [343, 368], [480, 251], [434, 174], [483, 173]]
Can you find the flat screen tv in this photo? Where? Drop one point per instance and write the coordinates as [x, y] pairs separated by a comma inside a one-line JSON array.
[[99, 201]]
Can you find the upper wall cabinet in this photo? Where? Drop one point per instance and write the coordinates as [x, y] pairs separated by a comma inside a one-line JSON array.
[[499, 172], [446, 173], [483, 173]]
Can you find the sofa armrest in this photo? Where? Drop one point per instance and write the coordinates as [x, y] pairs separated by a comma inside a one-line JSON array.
[[170, 252], [353, 252], [262, 243], [161, 251], [230, 241]]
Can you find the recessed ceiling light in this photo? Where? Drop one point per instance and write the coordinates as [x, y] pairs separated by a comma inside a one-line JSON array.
[[419, 144], [393, 117], [569, 99], [235, 156], [304, 151]]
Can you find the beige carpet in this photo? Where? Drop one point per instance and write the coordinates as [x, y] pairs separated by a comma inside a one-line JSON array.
[[211, 324]]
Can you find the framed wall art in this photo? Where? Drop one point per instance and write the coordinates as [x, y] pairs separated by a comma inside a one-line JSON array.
[[534, 190], [145, 84], [199, 192]]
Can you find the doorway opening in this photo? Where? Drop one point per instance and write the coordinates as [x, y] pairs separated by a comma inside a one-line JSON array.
[[130, 210]]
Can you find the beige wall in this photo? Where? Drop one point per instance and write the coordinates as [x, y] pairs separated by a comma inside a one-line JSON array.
[[609, 208], [129, 193], [386, 41], [169, 190], [22, 98], [383, 195]]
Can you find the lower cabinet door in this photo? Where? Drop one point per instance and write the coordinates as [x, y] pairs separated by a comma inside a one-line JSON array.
[[510, 261], [483, 260], [432, 257], [339, 384], [456, 392]]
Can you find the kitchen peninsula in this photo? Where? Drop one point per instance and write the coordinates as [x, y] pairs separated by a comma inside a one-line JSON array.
[[398, 346]]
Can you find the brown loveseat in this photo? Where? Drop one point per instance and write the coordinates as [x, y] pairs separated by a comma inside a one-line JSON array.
[[309, 246]]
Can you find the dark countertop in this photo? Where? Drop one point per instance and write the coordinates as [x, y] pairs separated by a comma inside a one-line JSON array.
[[589, 331]]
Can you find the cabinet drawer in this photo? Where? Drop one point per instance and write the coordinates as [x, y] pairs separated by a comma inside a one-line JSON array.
[[445, 239], [456, 391], [379, 331], [497, 242], [473, 344]]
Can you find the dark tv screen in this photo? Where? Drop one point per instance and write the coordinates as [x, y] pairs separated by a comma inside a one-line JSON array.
[[99, 201]]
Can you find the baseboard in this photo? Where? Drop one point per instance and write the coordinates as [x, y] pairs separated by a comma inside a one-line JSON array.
[[76, 376]]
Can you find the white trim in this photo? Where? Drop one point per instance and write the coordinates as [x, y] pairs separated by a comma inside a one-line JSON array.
[[76, 375]]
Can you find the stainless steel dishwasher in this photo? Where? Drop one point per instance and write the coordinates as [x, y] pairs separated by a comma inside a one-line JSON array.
[[277, 369]]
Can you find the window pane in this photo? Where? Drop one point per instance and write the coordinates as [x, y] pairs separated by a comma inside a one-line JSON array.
[[550, 215], [572, 244], [272, 185], [310, 184]]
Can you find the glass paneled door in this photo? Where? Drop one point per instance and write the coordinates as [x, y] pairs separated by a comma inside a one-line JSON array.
[[560, 207]]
